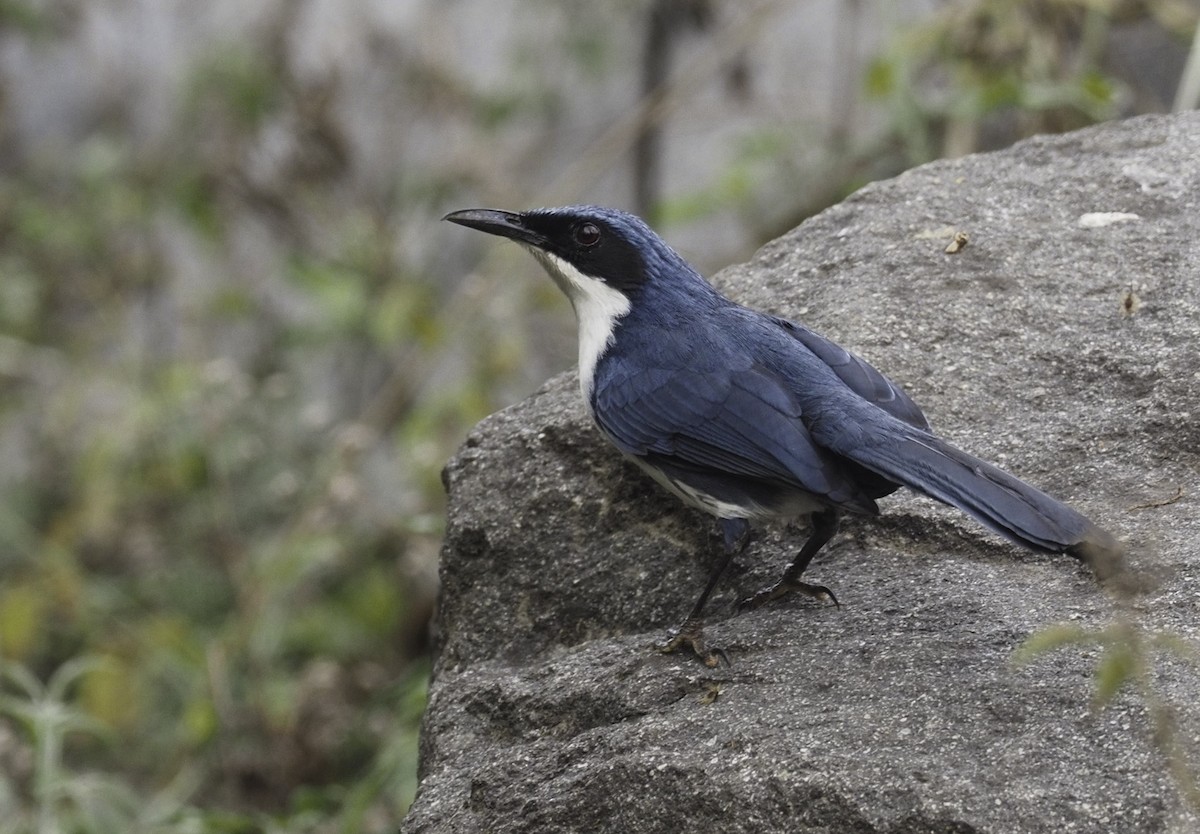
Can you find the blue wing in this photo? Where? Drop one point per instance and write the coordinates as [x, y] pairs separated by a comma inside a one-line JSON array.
[[859, 376], [724, 419]]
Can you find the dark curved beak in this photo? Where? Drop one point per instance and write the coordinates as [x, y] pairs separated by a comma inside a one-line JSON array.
[[495, 222]]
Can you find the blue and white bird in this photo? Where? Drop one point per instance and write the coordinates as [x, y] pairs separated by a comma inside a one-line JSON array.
[[751, 417]]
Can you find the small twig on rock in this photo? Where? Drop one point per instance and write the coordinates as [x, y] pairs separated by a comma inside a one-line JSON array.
[[1164, 502]]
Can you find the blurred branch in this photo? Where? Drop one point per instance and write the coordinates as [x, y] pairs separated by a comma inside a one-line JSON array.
[[846, 73], [666, 20], [656, 106], [1187, 97]]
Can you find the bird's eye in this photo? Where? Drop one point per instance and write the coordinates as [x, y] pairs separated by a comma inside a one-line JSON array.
[[588, 234]]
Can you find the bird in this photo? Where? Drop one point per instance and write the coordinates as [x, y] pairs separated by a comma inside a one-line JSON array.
[[752, 417]]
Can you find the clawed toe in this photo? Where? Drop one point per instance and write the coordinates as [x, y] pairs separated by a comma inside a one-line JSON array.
[[691, 634], [784, 587]]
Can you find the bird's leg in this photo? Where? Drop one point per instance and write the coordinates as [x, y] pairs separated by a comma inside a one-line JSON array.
[[690, 632], [824, 524]]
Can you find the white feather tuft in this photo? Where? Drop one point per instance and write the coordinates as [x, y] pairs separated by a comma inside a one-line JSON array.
[[598, 307]]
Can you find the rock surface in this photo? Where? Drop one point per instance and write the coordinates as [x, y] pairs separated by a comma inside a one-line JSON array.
[[1063, 342]]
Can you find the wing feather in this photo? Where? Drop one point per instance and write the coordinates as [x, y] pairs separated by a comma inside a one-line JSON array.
[[724, 419], [858, 375]]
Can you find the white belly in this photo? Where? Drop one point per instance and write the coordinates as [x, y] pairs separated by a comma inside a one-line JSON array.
[[795, 505]]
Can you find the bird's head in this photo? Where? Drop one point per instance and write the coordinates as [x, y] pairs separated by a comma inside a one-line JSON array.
[[607, 262], [589, 251]]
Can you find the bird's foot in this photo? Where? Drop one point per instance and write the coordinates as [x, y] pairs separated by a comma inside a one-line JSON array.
[[784, 587], [690, 633]]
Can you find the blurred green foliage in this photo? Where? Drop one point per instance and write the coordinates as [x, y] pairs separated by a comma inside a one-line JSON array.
[[1130, 658], [181, 508], [987, 72], [186, 522]]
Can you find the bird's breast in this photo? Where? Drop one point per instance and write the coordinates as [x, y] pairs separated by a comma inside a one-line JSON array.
[[597, 314], [598, 308]]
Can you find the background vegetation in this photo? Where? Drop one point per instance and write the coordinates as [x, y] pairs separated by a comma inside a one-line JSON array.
[[233, 358]]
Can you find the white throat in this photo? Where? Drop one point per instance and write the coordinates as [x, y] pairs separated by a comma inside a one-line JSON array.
[[598, 307]]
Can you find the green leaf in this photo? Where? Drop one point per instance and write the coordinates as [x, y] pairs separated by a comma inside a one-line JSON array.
[[1116, 668], [1098, 88], [68, 674], [23, 678], [22, 609], [1177, 645], [1051, 638], [880, 79], [338, 291]]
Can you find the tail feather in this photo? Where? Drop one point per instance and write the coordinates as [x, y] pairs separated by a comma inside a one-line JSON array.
[[1001, 502]]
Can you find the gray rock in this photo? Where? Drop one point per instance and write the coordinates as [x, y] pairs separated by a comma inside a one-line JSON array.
[[1066, 351]]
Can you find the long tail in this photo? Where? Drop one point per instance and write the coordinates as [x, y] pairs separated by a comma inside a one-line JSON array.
[[1008, 505]]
